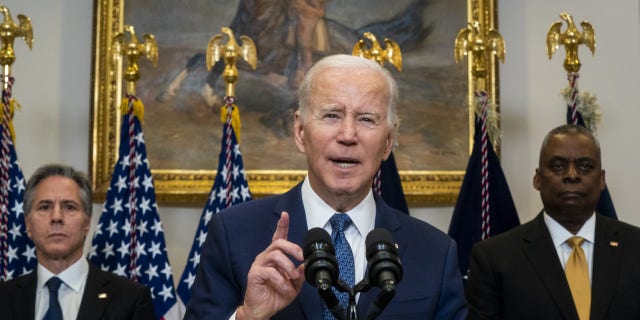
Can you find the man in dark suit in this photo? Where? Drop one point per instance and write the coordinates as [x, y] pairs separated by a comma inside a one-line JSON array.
[[251, 267], [521, 274], [57, 207]]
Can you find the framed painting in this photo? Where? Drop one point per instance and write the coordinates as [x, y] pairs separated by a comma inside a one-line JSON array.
[[182, 98]]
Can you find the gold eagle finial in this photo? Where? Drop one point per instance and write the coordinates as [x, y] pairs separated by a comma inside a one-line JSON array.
[[9, 31], [230, 52], [390, 53], [132, 50], [471, 39], [571, 39]]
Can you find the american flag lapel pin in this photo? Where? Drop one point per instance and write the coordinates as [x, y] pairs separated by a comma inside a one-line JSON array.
[[613, 243], [102, 295]]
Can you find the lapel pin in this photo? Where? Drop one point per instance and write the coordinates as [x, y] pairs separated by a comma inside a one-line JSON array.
[[102, 295], [613, 243]]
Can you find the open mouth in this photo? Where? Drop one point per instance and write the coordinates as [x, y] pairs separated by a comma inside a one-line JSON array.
[[345, 163]]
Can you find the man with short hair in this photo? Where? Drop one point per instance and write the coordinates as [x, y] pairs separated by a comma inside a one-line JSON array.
[[57, 208], [569, 262]]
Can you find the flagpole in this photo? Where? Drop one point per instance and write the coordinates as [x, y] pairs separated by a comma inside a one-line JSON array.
[[10, 31]]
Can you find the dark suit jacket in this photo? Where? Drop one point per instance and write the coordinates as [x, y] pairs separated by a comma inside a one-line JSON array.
[[518, 275], [431, 287], [125, 299]]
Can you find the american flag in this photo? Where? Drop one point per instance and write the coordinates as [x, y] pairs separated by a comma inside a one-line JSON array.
[[18, 252], [129, 239], [230, 187]]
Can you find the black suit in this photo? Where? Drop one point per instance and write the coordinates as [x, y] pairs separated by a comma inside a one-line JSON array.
[[518, 275], [106, 296]]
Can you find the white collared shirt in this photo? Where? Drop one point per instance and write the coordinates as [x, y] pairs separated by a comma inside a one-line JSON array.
[[560, 235], [70, 293], [363, 217]]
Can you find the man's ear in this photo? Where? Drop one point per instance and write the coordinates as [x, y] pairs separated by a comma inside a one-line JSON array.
[[298, 131], [388, 146], [536, 180]]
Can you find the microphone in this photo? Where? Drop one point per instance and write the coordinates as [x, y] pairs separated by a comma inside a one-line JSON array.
[[385, 269], [321, 267]]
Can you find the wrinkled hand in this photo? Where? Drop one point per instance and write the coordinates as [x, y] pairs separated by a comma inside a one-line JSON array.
[[274, 280]]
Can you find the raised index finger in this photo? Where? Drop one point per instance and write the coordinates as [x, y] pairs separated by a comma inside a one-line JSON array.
[[282, 229]]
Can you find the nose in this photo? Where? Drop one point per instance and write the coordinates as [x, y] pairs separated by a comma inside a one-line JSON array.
[[571, 174], [56, 215], [348, 132]]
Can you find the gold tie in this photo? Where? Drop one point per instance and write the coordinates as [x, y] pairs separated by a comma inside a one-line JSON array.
[[577, 273]]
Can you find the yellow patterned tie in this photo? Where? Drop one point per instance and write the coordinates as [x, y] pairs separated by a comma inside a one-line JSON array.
[[577, 273]]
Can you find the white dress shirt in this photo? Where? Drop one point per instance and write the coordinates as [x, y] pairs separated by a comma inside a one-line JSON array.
[[70, 293], [560, 235]]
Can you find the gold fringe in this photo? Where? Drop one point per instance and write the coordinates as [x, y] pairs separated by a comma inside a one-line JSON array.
[[138, 108], [493, 120], [588, 107], [235, 119], [13, 104]]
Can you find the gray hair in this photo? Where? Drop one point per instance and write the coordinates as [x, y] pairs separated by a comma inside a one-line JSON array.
[[570, 129], [345, 62], [50, 170]]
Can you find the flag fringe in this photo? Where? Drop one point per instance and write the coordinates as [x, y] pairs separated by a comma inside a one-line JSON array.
[[235, 119], [493, 120], [588, 106]]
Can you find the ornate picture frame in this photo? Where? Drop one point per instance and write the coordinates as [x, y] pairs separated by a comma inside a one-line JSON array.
[[180, 182]]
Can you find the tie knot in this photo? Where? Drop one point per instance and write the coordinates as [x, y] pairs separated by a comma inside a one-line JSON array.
[[575, 242], [53, 284], [340, 222]]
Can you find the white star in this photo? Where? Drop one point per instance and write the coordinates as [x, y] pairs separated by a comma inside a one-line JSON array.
[[189, 280], [207, 217], [98, 230], [138, 159], [236, 151], [148, 182], [201, 238], [116, 206], [155, 249], [125, 161], [30, 253], [126, 227], [166, 293], [113, 228], [222, 194], [108, 250], [144, 205], [122, 183], [166, 271], [151, 272], [234, 194], [140, 249], [92, 251], [195, 259], [17, 208], [139, 138], [236, 172], [157, 227], [120, 270], [12, 254], [123, 249], [15, 232], [245, 193], [19, 184]]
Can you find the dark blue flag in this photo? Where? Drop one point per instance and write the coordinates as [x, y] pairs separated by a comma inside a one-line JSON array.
[[467, 223], [388, 185], [129, 239], [18, 254], [230, 187], [605, 205]]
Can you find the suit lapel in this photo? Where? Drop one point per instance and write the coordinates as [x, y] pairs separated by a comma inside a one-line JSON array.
[[96, 296], [25, 297], [607, 257], [291, 202], [539, 250], [386, 220]]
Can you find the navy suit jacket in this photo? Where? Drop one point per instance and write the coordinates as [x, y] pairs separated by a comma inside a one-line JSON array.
[[431, 287], [518, 275], [106, 297]]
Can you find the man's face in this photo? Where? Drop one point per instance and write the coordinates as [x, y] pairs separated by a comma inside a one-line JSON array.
[[570, 177], [57, 223], [346, 133]]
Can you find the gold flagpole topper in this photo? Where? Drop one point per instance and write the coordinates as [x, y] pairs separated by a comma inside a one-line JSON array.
[[230, 52], [8, 32], [571, 39], [132, 50], [376, 53]]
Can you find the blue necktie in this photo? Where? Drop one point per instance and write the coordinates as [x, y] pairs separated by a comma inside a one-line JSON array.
[[340, 222], [55, 311]]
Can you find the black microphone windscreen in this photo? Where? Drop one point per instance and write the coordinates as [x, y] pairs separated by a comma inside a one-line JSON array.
[[378, 235], [316, 235]]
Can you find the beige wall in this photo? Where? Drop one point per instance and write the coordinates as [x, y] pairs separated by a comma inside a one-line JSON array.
[[53, 86]]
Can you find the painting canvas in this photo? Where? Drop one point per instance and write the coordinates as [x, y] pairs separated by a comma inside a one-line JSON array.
[[183, 99]]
